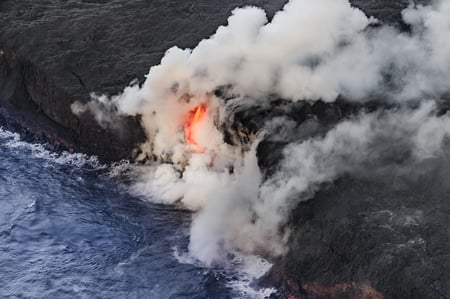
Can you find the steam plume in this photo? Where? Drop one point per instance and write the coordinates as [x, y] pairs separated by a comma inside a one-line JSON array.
[[311, 50]]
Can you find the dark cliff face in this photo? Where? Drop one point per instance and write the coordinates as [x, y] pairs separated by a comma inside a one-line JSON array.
[[32, 102], [57, 52]]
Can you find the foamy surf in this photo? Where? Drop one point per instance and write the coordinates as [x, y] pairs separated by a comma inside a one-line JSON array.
[[40, 151], [249, 269], [241, 272]]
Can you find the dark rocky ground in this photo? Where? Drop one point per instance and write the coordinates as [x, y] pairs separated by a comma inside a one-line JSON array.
[[56, 52], [372, 237], [358, 238]]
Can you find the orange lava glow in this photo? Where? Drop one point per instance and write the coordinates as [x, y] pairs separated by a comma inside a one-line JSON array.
[[192, 126]]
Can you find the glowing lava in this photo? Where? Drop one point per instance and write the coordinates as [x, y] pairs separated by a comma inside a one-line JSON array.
[[193, 126]]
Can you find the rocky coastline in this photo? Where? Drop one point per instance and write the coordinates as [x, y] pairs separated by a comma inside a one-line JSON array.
[[54, 53]]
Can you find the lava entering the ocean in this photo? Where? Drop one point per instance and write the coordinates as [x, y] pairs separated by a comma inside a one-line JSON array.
[[193, 127]]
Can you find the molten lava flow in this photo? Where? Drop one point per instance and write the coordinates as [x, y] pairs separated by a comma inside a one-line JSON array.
[[193, 126]]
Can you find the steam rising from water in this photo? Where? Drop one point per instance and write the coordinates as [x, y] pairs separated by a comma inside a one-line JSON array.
[[312, 49]]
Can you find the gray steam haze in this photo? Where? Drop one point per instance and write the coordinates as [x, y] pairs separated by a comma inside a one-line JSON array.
[[310, 50]]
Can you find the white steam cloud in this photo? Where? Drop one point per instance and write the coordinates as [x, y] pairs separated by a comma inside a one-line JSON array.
[[311, 50]]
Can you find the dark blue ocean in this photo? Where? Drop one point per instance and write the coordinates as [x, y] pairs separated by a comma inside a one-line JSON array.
[[69, 229]]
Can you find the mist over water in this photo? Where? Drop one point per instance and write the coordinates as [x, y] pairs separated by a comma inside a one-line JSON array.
[[311, 50], [70, 229]]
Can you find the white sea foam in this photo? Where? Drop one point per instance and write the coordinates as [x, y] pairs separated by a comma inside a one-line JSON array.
[[13, 141], [241, 271], [250, 268]]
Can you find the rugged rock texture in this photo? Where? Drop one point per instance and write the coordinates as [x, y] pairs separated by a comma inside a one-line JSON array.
[[54, 53], [388, 232]]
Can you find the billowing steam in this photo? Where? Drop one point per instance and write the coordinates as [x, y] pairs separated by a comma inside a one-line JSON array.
[[311, 50]]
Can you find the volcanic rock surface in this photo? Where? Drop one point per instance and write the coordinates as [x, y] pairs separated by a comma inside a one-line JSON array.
[[370, 237], [53, 53]]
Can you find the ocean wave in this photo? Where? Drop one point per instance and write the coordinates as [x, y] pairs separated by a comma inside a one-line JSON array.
[[14, 141]]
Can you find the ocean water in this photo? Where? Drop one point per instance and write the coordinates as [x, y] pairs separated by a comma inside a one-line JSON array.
[[68, 229]]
